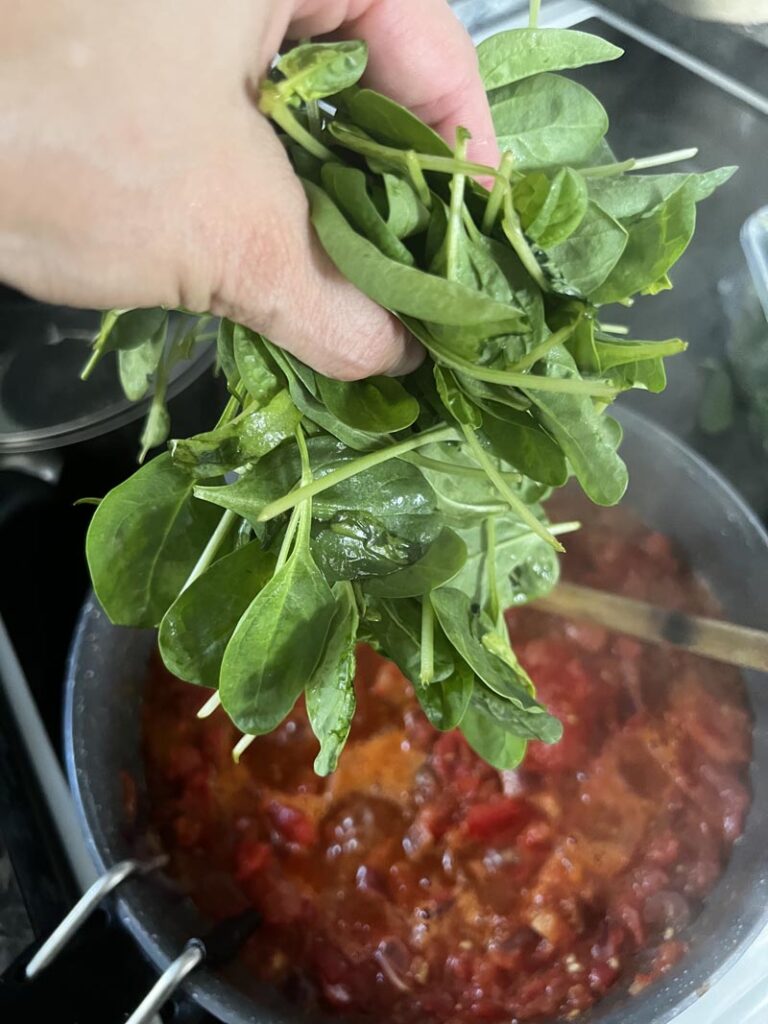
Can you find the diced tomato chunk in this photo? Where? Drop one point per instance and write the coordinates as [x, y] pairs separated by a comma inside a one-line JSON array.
[[292, 824], [488, 820]]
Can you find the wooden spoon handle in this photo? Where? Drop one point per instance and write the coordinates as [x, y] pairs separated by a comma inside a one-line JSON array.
[[710, 638]]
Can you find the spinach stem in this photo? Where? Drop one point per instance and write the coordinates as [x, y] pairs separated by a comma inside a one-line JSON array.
[[518, 506], [533, 13], [290, 500], [241, 746], [539, 351], [494, 604], [282, 116], [527, 381], [427, 647], [613, 328], [450, 468], [210, 705], [417, 178], [500, 186], [211, 549], [305, 523], [638, 163], [290, 533], [453, 230], [313, 118], [511, 224]]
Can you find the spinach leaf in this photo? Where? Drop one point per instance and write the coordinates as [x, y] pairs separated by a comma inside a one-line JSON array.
[[525, 566], [144, 540], [530, 725], [550, 212], [347, 187], [584, 260], [655, 243], [396, 629], [464, 630], [244, 439], [225, 353], [518, 53], [406, 214], [316, 70], [490, 740], [518, 439], [547, 121], [388, 122], [330, 693], [388, 491], [574, 423], [354, 544], [276, 645], [440, 563], [377, 405], [137, 363], [257, 372], [196, 628], [404, 289], [635, 195]]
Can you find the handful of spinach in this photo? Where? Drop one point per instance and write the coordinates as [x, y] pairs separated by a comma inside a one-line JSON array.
[[404, 513]]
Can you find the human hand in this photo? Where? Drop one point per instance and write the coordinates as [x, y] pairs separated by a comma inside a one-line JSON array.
[[135, 169]]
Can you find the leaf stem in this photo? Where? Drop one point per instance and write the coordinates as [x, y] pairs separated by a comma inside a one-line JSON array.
[[539, 351], [290, 500], [511, 225], [494, 604], [515, 503], [418, 180], [639, 163], [427, 647], [276, 108], [529, 381], [533, 13], [613, 328], [454, 228], [500, 186], [290, 533], [241, 746], [211, 549], [210, 705], [450, 468]]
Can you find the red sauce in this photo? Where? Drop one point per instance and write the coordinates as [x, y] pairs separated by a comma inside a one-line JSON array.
[[417, 883]]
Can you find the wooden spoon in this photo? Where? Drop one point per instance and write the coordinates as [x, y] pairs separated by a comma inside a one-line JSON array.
[[710, 638]]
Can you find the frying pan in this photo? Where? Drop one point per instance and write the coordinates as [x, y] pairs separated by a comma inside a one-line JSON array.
[[671, 490]]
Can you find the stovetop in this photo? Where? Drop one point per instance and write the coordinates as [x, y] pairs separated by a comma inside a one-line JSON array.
[[651, 97]]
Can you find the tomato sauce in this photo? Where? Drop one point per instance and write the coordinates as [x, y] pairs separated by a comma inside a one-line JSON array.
[[418, 884]]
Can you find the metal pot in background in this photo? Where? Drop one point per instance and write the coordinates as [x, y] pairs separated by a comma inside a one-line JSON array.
[[741, 12], [671, 490]]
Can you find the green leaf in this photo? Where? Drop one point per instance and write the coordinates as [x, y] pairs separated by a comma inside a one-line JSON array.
[[316, 70], [397, 287], [464, 630], [634, 195], [526, 567], [550, 212], [144, 540], [574, 423], [354, 544], [255, 368], [388, 122], [330, 693], [347, 188], [276, 645], [197, 627], [225, 352], [244, 439], [454, 400], [584, 260], [440, 563], [655, 244], [518, 439], [377, 405], [518, 53], [137, 363], [406, 214], [396, 631], [387, 491], [547, 121], [501, 749]]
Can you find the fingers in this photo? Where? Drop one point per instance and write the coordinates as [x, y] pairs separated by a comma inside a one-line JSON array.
[[276, 278], [421, 56]]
